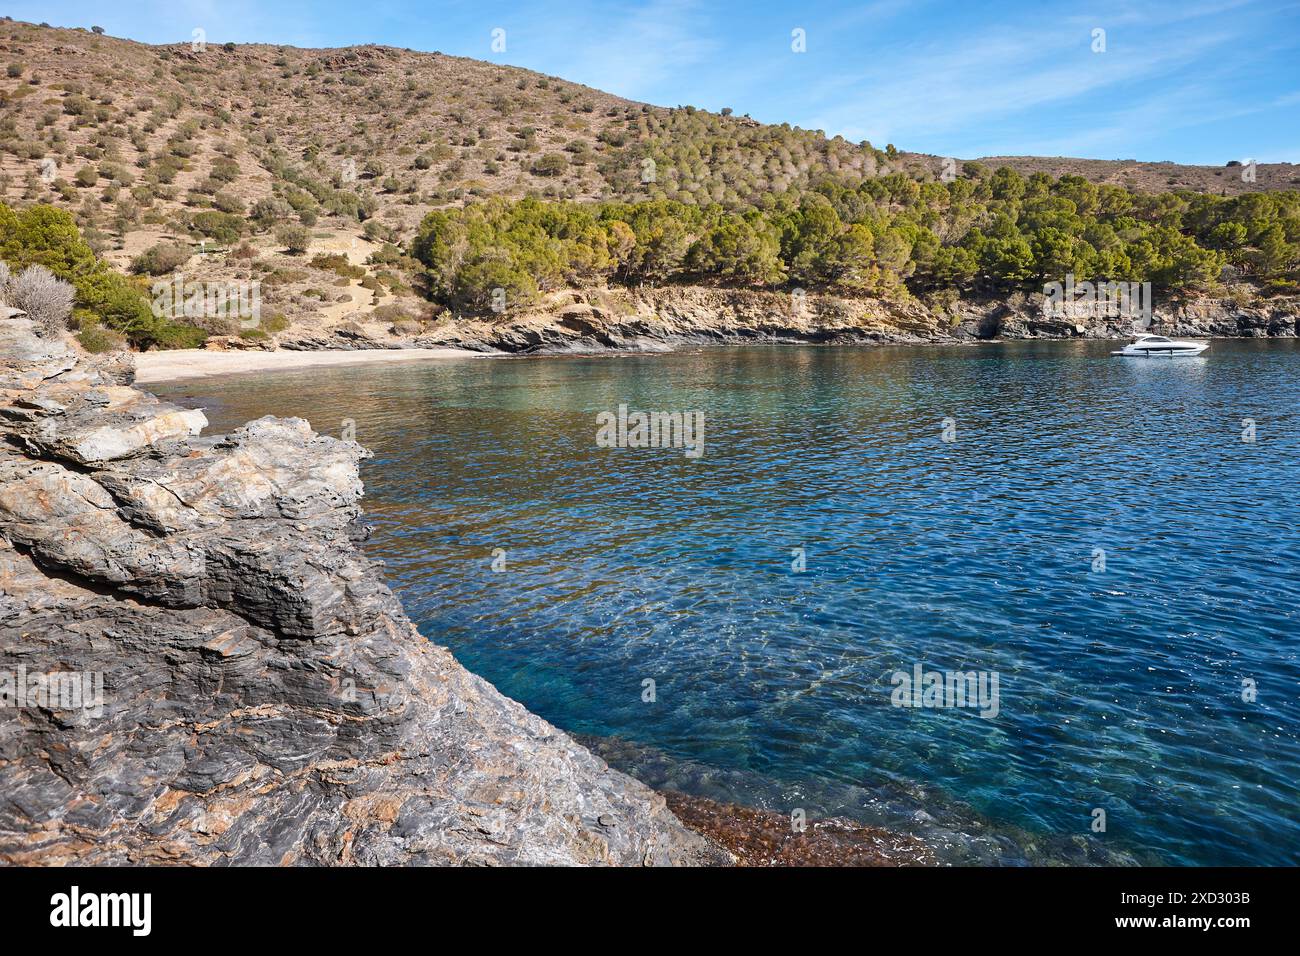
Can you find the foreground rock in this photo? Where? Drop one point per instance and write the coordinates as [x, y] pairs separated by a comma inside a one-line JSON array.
[[235, 683]]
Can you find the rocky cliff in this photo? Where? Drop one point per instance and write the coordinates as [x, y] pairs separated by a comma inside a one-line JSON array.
[[198, 664], [657, 319]]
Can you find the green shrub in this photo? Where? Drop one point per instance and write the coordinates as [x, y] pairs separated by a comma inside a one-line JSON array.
[[225, 170], [161, 258], [267, 212], [175, 335], [551, 164], [273, 322], [294, 239], [97, 339], [223, 227], [77, 105], [228, 203], [338, 264]]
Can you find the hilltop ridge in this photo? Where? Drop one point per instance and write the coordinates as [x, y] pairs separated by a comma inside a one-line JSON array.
[[312, 172], [426, 129]]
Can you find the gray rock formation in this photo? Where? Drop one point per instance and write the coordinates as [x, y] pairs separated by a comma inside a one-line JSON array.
[[657, 319], [199, 665]]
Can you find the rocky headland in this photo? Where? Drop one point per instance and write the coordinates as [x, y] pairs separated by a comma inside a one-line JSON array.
[[199, 665], [669, 317]]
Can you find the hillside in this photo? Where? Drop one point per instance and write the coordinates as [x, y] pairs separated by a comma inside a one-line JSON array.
[[1225, 180], [417, 130], [311, 171]]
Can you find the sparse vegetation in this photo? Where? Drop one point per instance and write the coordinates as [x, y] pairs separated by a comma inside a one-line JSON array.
[[487, 176]]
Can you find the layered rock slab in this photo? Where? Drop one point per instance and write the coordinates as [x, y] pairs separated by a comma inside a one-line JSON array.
[[251, 691]]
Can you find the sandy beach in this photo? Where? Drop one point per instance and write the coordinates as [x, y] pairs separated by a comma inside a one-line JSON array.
[[176, 364]]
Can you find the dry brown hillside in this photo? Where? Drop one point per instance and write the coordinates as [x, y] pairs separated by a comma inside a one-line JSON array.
[[164, 129], [1223, 180], [183, 146]]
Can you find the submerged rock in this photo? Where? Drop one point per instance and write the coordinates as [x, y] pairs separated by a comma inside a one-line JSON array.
[[766, 838], [198, 664]]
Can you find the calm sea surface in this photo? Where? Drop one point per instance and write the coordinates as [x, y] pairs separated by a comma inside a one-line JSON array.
[[1097, 534]]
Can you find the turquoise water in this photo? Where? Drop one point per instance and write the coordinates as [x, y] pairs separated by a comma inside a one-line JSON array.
[[1119, 689]]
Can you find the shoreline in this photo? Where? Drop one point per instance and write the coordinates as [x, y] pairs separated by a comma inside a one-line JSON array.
[[182, 364], [176, 365]]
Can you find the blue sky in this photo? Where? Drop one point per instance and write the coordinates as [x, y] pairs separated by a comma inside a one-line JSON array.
[[1196, 81]]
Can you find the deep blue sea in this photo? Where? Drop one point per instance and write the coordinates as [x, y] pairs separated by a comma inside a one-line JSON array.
[[1096, 533]]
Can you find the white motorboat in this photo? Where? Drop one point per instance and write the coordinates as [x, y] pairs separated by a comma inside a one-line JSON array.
[[1158, 345]]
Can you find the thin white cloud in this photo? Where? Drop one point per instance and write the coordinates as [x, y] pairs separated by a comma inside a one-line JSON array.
[[1202, 105], [938, 90], [636, 52]]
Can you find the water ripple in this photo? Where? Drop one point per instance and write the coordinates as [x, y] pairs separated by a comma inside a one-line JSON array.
[[1119, 689]]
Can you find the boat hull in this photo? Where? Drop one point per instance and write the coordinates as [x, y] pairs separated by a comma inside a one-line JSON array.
[[1157, 351]]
